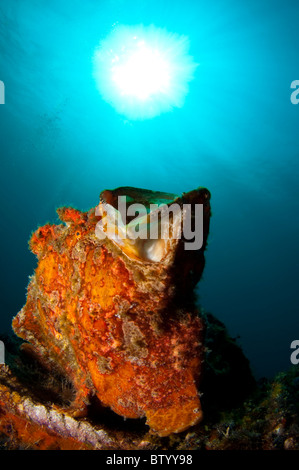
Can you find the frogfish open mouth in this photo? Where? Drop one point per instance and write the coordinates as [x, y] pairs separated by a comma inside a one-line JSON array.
[[112, 307]]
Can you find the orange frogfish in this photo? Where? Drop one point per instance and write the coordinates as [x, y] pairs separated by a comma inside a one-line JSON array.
[[111, 304]]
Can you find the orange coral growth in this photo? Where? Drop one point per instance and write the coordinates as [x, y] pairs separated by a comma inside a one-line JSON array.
[[123, 329], [35, 436], [31, 425]]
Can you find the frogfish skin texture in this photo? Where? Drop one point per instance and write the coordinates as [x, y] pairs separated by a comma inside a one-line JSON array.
[[119, 322]]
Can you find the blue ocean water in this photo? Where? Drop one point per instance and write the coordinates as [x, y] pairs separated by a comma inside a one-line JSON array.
[[237, 135]]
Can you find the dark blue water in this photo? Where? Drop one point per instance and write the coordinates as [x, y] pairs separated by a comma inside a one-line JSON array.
[[237, 134]]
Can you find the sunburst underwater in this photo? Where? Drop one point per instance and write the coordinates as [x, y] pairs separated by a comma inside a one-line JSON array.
[[143, 71]]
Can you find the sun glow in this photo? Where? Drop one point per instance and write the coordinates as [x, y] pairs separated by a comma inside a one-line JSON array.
[[143, 71]]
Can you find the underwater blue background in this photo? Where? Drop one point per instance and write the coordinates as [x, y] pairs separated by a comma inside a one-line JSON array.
[[237, 135]]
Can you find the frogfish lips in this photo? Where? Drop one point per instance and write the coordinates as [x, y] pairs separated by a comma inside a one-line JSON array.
[[111, 303]]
